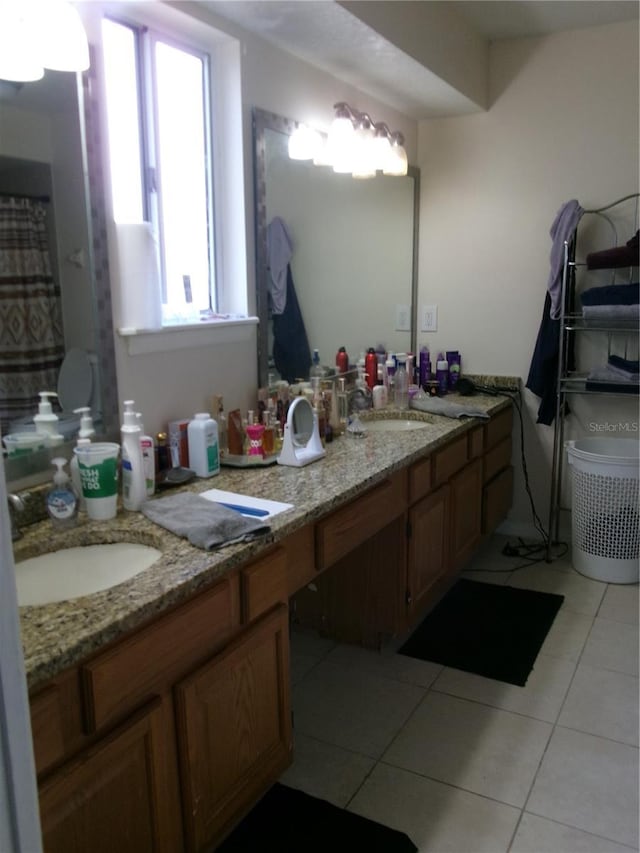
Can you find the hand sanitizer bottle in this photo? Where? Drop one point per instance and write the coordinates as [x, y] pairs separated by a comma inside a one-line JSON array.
[[62, 501]]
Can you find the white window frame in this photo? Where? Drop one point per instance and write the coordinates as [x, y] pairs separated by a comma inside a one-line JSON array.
[[228, 175]]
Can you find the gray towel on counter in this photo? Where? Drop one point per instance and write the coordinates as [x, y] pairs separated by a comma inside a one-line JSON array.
[[204, 523], [439, 406]]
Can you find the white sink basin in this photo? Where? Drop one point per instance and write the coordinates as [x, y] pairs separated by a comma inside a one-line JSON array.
[[394, 425], [72, 572]]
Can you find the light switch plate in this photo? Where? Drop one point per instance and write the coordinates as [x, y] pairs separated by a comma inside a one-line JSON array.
[[429, 318], [403, 318]]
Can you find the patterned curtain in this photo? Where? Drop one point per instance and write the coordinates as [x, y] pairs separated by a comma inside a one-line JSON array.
[[31, 337]]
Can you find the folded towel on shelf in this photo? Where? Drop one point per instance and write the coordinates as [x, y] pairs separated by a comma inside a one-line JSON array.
[[438, 406], [617, 257], [606, 373], [612, 387], [612, 294], [624, 365], [621, 314], [204, 523]]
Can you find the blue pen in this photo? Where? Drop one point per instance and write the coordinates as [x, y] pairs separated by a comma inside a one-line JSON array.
[[246, 510]]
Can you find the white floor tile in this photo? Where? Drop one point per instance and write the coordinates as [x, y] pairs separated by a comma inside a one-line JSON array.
[[620, 602], [386, 663], [541, 697], [351, 709], [538, 835], [612, 645], [582, 595], [326, 771], [436, 817], [484, 750], [589, 783], [308, 642], [568, 635], [602, 702]]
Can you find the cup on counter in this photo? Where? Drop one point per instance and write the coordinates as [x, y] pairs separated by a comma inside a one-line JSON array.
[[98, 466]]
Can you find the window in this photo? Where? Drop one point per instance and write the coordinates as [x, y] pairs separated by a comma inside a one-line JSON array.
[[159, 133]]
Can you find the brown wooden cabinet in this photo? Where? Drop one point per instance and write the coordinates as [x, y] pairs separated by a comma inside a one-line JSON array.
[[428, 551], [168, 736], [465, 514], [234, 728], [110, 796]]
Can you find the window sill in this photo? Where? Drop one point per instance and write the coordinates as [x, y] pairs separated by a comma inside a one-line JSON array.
[[143, 341]]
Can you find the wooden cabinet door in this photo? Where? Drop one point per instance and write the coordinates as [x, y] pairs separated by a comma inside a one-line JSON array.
[[109, 797], [234, 729], [428, 551], [466, 513]]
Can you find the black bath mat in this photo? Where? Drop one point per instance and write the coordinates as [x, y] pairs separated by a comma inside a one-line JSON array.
[[491, 630], [289, 821]]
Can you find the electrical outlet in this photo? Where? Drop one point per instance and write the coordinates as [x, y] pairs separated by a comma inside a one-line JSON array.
[[429, 318], [403, 318]]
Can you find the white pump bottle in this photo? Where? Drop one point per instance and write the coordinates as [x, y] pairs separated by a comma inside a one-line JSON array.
[[134, 491], [46, 421]]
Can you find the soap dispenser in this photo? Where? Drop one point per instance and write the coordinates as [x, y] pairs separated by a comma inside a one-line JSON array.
[[134, 489], [62, 501], [46, 421], [86, 422]]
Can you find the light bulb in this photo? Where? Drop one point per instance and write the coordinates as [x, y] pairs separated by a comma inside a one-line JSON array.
[[60, 36], [340, 144], [397, 162], [18, 59], [304, 143]]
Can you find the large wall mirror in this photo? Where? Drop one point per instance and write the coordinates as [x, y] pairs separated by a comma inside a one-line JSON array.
[[50, 150], [354, 261]]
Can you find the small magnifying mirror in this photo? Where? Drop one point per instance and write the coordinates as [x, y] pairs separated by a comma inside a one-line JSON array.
[[301, 441]]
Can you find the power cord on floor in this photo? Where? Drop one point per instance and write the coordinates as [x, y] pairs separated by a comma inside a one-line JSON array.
[[535, 552]]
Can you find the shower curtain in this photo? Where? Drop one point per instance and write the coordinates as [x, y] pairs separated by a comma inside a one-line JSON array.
[[31, 335]]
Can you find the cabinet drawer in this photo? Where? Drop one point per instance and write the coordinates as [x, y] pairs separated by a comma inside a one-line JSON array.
[[354, 523], [264, 583], [499, 427], [449, 460], [419, 480], [301, 563], [496, 459], [120, 679], [496, 500], [476, 442], [47, 727]]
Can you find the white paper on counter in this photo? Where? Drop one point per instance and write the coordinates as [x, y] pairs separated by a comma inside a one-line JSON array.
[[220, 496]]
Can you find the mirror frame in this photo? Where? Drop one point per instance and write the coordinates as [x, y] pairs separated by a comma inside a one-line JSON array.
[[263, 121]]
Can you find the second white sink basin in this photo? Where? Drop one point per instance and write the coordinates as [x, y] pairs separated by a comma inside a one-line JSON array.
[[83, 570], [394, 425]]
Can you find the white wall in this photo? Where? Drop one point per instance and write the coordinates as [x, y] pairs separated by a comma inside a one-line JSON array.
[[563, 124], [176, 384]]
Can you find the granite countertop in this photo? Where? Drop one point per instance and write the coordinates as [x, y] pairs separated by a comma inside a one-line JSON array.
[[56, 636]]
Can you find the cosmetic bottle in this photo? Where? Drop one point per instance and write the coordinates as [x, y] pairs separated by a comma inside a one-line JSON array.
[[454, 362], [62, 501], [254, 439], [425, 367], [390, 367], [269, 435], [342, 360], [202, 436], [316, 372], [401, 383], [442, 374], [371, 367], [134, 487], [223, 432]]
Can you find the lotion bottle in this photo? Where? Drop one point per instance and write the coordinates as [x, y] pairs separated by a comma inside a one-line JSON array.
[[148, 458], [62, 501], [134, 489], [86, 422], [204, 456], [76, 479], [46, 421]]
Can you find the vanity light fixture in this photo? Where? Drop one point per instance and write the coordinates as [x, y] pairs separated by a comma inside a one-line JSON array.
[[355, 145], [40, 34]]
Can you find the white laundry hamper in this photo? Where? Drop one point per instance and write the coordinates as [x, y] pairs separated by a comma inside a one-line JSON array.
[[604, 523]]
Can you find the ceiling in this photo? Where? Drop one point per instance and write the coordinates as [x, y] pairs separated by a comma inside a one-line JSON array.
[[328, 36]]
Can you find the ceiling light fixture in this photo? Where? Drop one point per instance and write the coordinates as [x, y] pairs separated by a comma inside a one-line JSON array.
[[40, 34], [355, 145]]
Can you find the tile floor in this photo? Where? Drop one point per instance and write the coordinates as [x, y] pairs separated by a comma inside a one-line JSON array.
[[466, 764]]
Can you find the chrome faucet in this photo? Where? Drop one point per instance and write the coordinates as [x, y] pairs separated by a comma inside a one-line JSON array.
[[359, 399], [16, 504]]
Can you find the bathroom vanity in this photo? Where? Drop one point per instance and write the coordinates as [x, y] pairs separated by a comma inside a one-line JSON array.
[[161, 707]]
